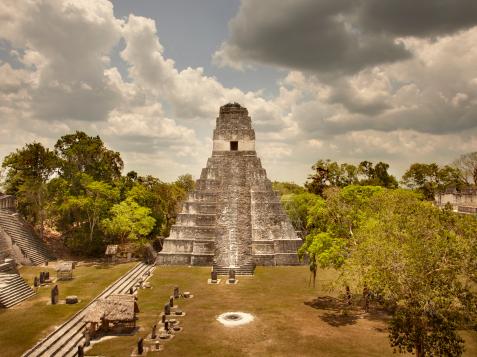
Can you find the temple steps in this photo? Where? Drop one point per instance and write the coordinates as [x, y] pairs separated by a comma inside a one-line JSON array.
[[246, 269], [22, 236], [8, 266], [13, 289]]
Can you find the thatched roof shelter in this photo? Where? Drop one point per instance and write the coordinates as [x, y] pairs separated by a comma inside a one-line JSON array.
[[64, 271], [65, 266], [118, 308]]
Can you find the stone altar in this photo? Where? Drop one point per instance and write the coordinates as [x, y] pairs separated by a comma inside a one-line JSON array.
[[233, 219]]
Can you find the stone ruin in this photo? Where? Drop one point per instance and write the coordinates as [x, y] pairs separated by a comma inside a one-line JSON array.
[[233, 219]]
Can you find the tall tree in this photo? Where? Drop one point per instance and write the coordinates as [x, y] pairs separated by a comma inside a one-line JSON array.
[[416, 257], [429, 179], [186, 183], [329, 173], [28, 171], [129, 221], [376, 175], [83, 154], [298, 206], [467, 164], [94, 203]]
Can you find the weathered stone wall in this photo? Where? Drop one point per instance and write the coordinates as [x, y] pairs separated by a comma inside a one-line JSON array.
[[233, 218]]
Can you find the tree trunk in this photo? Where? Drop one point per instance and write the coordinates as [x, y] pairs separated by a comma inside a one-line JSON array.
[[419, 350]]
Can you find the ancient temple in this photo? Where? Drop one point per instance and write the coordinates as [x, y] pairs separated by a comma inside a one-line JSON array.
[[233, 219]]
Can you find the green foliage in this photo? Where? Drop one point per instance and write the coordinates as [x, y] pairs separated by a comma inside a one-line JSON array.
[[287, 188], [324, 250], [329, 173], [28, 171], [418, 259], [298, 206], [185, 182], [129, 221], [92, 204], [377, 175], [83, 154], [429, 179], [75, 187]]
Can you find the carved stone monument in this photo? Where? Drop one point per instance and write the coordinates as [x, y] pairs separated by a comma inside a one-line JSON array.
[[154, 332], [231, 276], [233, 219], [54, 295], [140, 346], [176, 292], [167, 309]]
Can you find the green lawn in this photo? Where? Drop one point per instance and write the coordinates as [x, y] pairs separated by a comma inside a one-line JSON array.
[[288, 319], [25, 323]]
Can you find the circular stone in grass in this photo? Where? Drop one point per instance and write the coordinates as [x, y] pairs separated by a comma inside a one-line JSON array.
[[232, 319]]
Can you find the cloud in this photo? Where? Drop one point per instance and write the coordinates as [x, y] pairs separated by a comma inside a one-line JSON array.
[[336, 37], [404, 93], [422, 18], [305, 35], [65, 43]]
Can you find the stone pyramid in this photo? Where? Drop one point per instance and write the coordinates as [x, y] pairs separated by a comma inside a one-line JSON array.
[[233, 219]]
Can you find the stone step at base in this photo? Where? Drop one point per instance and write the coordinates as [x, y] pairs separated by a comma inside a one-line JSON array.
[[13, 289], [243, 270]]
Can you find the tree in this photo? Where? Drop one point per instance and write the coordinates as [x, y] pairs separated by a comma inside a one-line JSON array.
[[330, 174], [94, 203], [331, 224], [83, 154], [129, 221], [28, 171], [186, 183], [286, 188], [416, 257], [467, 165], [429, 179], [377, 175], [297, 207]]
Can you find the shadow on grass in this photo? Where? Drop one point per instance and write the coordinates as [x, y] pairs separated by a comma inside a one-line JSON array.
[[337, 319], [339, 313]]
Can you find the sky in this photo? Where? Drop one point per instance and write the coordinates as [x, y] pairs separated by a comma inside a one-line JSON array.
[[348, 80]]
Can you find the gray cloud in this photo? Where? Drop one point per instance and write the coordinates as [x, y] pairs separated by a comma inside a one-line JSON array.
[[161, 117], [336, 37], [420, 18]]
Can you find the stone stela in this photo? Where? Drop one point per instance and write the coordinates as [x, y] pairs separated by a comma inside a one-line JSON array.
[[233, 219], [54, 295]]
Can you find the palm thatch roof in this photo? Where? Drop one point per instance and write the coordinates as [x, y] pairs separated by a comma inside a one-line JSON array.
[[65, 266], [117, 308]]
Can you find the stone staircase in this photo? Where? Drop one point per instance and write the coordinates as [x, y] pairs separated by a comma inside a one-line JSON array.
[[22, 236], [13, 289], [244, 269], [8, 266]]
